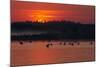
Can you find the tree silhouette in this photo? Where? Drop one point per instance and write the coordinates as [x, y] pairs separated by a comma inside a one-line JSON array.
[[53, 30]]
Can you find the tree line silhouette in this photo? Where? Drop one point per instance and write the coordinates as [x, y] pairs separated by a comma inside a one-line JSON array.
[[55, 30]]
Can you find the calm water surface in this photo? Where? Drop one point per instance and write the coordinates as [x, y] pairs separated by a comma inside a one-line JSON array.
[[37, 52]]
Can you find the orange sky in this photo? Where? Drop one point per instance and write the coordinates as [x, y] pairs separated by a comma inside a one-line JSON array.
[[32, 11]]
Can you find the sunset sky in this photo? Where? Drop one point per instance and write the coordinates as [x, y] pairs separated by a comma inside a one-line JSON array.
[[38, 11]]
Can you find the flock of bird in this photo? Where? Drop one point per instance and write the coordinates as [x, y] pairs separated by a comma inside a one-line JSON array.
[[63, 43], [60, 43]]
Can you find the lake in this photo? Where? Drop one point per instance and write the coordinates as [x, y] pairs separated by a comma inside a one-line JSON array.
[[50, 52]]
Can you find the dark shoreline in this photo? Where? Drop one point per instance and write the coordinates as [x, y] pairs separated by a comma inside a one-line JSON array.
[[54, 30], [50, 40]]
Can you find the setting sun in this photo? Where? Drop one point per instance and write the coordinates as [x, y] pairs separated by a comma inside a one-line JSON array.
[[41, 16]]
